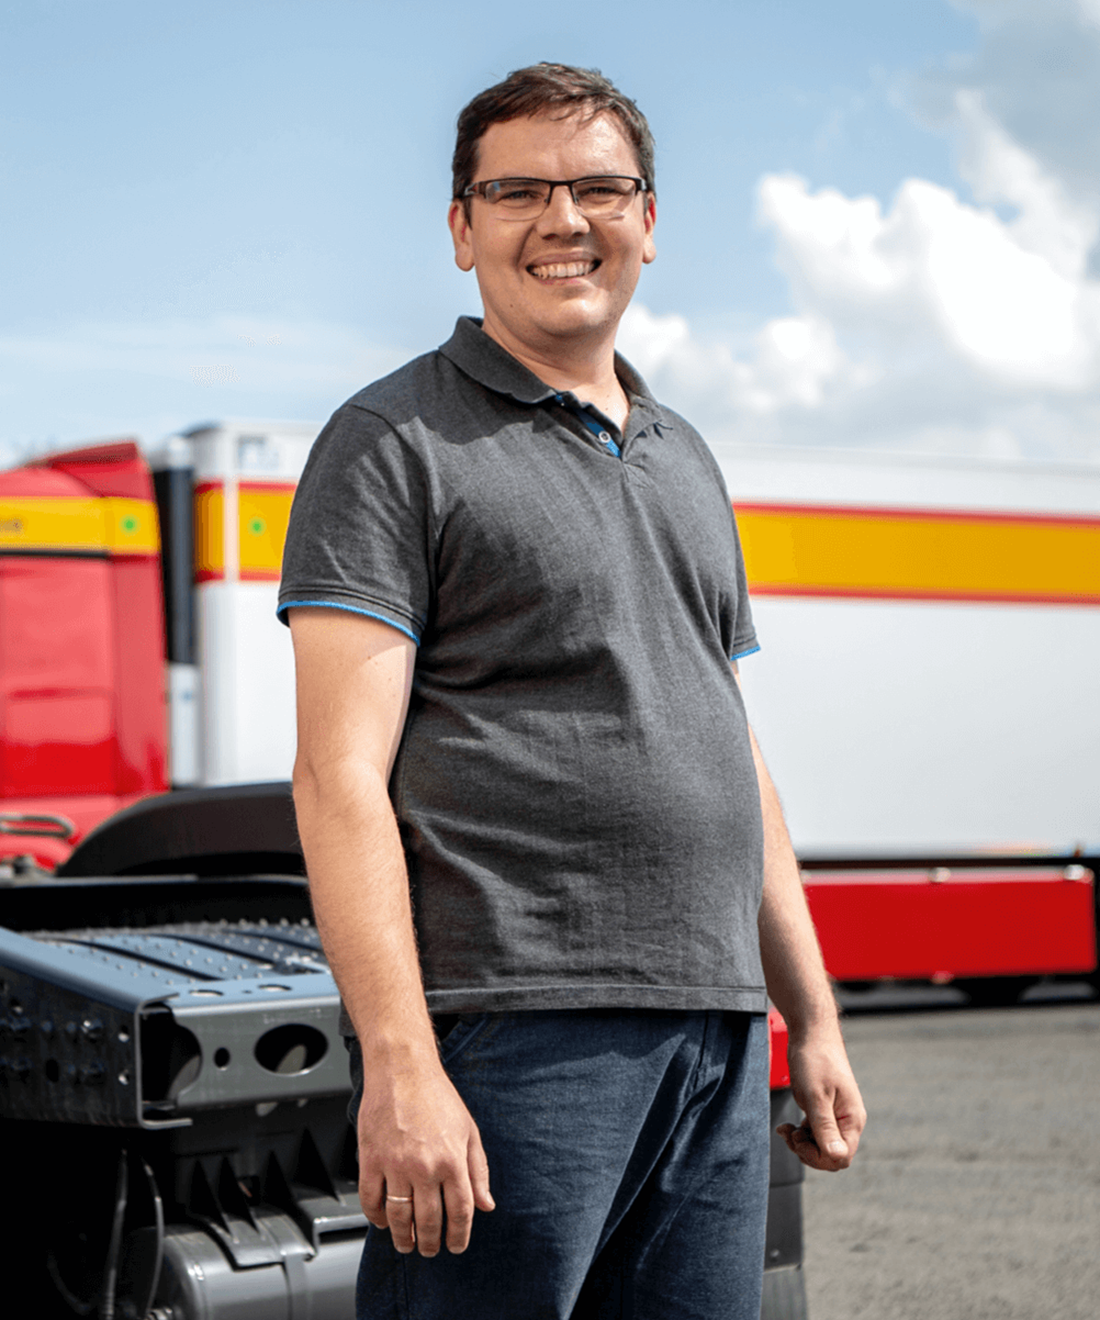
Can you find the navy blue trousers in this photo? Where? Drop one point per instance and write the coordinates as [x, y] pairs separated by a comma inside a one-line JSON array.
[[628, 1158]]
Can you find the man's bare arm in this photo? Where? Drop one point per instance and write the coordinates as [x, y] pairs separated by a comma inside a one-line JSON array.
[[416, 1137], [821, 1077]]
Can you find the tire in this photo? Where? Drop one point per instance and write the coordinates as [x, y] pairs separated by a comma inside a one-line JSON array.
[[995, 991], [784, 1295]]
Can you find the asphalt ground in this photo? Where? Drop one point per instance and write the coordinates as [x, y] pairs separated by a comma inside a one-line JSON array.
[[976, 1191]]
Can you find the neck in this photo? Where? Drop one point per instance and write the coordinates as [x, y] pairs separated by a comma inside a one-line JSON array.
[[580, 366]]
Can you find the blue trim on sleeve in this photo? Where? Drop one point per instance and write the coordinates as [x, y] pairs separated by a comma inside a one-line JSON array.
[[351, 609], [741, 654]]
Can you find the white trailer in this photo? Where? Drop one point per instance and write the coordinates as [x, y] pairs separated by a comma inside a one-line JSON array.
[[930, 632], [930, 629]]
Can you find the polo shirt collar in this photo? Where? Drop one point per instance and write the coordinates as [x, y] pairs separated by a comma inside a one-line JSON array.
[[484, 360]]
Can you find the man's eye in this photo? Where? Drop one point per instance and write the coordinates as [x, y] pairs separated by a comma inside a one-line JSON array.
[[517, 190], [600, 188]]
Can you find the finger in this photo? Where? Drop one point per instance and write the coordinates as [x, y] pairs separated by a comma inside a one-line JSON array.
[[852, 1120], [479, 1174], [400, 1214], [372, 1198], [819, 1142], [463, 1194], [787, 1131], [460, 1214], [830, 1141], [837, 1125], [428, 1219], [801, 1141]]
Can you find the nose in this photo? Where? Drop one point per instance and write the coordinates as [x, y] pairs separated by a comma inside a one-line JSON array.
[[562, 214]]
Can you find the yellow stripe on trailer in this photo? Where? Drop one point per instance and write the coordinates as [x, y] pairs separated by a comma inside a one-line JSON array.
[[808, 550], [73, 525], [263, 512], [132, 526], [209, 532]]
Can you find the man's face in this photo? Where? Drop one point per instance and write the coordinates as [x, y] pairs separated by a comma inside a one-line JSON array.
[[560, 279]]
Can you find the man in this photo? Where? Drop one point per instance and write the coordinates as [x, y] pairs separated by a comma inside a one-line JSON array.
[[531, 806]]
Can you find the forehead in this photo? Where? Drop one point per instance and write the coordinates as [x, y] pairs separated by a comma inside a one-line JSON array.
[[551, 146]]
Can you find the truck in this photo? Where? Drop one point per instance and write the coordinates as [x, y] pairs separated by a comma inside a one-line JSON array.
[[167, 1020]]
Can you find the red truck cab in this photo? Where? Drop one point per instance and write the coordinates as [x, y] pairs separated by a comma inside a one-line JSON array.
[[83, 729]]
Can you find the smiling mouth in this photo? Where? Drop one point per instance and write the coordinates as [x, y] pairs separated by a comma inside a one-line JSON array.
[[563, 270]]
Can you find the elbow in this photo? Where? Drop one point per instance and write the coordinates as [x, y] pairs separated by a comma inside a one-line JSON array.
[[303, 778], [335, 786]]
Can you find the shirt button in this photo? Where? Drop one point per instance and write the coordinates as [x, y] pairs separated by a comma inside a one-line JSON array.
[[605, 437]]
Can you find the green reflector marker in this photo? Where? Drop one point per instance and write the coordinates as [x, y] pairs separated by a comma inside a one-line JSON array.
[[256, 526], [129, 523]]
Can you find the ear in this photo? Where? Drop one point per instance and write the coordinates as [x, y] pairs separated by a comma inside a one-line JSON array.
[[649, 251], [459, 225]]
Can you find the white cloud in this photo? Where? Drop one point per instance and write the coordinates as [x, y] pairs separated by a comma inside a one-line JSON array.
[[935, 324], [1038, 70], [1052, 224], [1010, 298]]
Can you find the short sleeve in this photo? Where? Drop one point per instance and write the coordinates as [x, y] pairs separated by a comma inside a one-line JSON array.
[[743, 631], [360, 534], [738, 631]]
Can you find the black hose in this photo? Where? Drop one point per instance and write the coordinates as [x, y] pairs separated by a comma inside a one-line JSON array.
[[114, 1251]]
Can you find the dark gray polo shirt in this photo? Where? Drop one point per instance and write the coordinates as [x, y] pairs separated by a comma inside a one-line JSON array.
[[575, 784]]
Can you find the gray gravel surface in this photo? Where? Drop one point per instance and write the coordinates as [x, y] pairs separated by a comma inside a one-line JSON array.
[[976, 1192]]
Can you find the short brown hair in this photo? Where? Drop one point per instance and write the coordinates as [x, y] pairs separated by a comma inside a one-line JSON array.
[[536, 90]]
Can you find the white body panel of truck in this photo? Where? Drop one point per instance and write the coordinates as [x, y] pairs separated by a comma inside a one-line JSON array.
[[945, 701], [919, 723]]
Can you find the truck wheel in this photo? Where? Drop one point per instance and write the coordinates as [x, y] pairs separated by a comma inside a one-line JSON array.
[[995, 991], [784, 1295]]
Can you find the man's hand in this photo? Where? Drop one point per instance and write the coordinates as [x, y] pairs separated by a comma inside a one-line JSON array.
[[826, 1092], [418, 1141]]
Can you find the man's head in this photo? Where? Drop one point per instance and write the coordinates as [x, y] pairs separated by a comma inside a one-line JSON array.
[[556, 267], [557, 90]]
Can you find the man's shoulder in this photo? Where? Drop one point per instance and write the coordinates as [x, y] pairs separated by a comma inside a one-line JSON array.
[[469, 374], [404, 392]]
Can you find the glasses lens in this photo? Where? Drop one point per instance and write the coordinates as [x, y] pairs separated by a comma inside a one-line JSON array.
[[518, 197], [610, 195]]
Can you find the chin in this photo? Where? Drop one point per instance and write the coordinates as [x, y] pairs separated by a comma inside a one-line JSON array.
[[578, 321]]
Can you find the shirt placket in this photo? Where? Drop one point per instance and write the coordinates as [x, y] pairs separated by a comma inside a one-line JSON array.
[[593, 423]]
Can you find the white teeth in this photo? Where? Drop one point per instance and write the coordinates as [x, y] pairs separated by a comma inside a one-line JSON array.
[[563, 270]]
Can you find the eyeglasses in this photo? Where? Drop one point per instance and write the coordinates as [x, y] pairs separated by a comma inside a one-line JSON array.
[[598, 198]]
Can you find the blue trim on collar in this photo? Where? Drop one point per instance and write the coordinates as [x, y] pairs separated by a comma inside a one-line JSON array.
[[602, 434]]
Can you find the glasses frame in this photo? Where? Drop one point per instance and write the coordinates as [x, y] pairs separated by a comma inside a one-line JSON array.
[[480, 190]]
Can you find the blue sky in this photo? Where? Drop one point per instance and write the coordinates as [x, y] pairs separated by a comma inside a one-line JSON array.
[[237, 209]]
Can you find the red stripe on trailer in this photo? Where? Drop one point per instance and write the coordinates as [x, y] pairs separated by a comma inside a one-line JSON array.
[[899, 593], [922, 925], [926, 513]]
